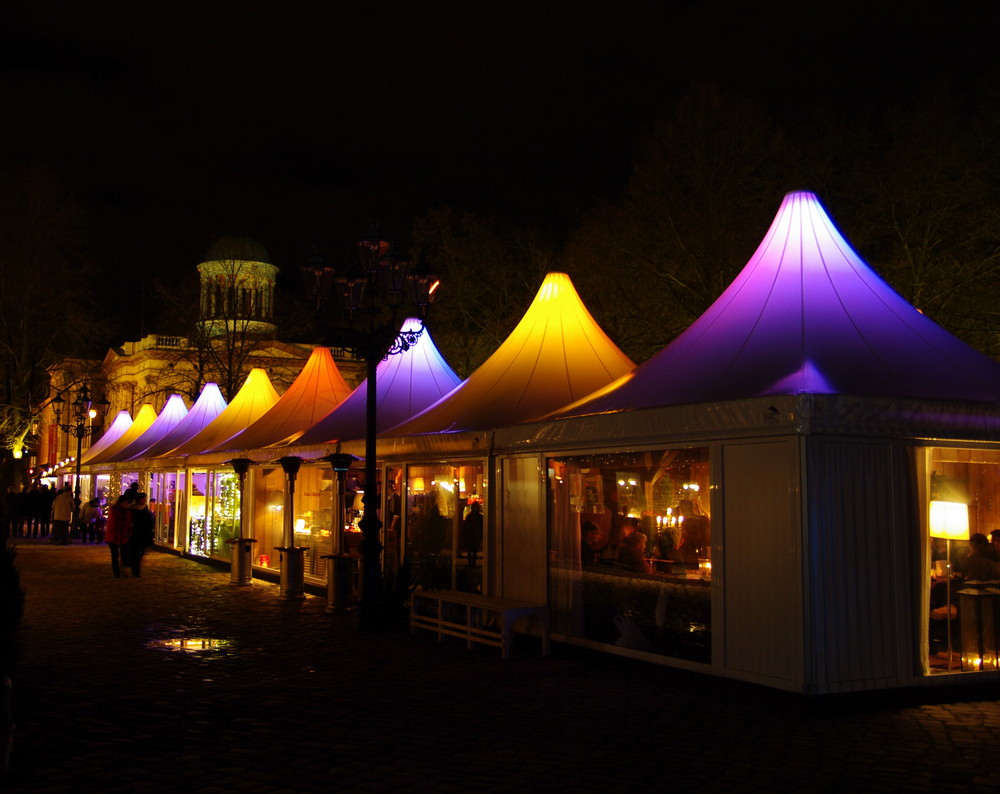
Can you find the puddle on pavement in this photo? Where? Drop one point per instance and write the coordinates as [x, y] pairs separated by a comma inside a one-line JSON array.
[[190, 644]]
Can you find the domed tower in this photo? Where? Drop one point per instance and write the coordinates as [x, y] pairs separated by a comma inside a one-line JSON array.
[[237, 288]]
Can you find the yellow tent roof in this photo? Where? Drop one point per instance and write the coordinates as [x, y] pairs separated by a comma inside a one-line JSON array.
[[143, 420], [556, 355], [123, 421], [317, 390], [253, 400]]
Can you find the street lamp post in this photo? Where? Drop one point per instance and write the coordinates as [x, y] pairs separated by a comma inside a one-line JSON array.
[[372, 294], [78, 424]]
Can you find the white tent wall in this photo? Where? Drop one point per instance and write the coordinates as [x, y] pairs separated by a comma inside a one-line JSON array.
[[521, 538], [758, 586], [863, 560]]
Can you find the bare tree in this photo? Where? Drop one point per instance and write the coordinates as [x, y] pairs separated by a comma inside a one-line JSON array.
[[46, 313]]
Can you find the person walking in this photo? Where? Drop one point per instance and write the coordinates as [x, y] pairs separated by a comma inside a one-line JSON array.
[[62, 514], [117, 532], [142, 532]]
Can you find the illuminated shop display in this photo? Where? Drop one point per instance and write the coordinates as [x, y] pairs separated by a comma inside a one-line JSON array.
[[630, 550], [214, 513], [164, 487]]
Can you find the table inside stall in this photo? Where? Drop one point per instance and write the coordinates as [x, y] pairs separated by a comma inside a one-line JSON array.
[[475, 618], [979, 616]]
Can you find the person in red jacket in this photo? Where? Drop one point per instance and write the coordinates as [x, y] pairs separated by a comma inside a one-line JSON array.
[[117, 532]]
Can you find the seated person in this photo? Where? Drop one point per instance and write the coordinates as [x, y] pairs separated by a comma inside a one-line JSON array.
[[632, 555], [977, 565], [695, 540], [592, 543]]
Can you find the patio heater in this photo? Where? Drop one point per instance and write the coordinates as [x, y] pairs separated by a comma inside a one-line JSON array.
[[292, 579], [241, 554], [339, 576], [949, 521]]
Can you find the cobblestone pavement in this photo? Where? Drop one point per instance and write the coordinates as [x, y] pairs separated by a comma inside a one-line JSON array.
[[290, 698]]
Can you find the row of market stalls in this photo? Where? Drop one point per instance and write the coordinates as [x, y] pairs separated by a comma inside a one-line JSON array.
[[754, 501]]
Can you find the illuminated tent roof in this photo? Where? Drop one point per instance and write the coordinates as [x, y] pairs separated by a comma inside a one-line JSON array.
[[404, 384], [317, 390], [253, 400], [805, 316], [173, 412], [207, 407], [143, 421], [122, 423], [555, 355]]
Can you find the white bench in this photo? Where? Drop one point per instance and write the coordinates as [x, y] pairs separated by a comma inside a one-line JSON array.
[[476, 626]]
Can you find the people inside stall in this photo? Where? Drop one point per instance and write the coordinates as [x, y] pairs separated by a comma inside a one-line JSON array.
[[695, 540], [981, 563], [632, 554], [472, 533], [592, 543]]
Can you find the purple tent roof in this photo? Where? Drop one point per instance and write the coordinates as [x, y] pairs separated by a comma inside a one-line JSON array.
[[210, 404], [123, 421], [172, 414], [405, 384], [805, 316]]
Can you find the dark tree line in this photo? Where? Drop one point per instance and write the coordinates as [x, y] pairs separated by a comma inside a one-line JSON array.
[[47, 311]]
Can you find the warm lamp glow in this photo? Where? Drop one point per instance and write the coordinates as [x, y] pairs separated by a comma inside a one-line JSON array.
[[417, 486], [949, 520]]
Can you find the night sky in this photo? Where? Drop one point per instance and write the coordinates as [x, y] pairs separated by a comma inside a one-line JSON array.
[[296, 123]]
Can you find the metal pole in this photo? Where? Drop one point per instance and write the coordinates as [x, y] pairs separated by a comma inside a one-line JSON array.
[[371, 525], [76, 487]]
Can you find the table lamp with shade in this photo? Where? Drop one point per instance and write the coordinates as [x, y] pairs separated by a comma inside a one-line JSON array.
[[950, 521]]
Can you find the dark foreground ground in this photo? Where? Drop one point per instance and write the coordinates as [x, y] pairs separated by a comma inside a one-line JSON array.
[[280, 696]]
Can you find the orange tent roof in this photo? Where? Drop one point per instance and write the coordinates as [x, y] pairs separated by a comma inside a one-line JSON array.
[[317, 390]]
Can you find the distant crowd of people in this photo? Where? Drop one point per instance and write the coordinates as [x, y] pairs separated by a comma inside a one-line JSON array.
[[39, 511]]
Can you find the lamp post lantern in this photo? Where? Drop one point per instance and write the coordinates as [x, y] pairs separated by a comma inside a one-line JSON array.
[[79, 424], [372, 294]]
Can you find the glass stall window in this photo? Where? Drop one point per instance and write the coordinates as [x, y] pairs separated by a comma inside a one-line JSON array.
[[630, 557], [963, 597], [314, 526], [214, 513], [445, 527], [163, 493]]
